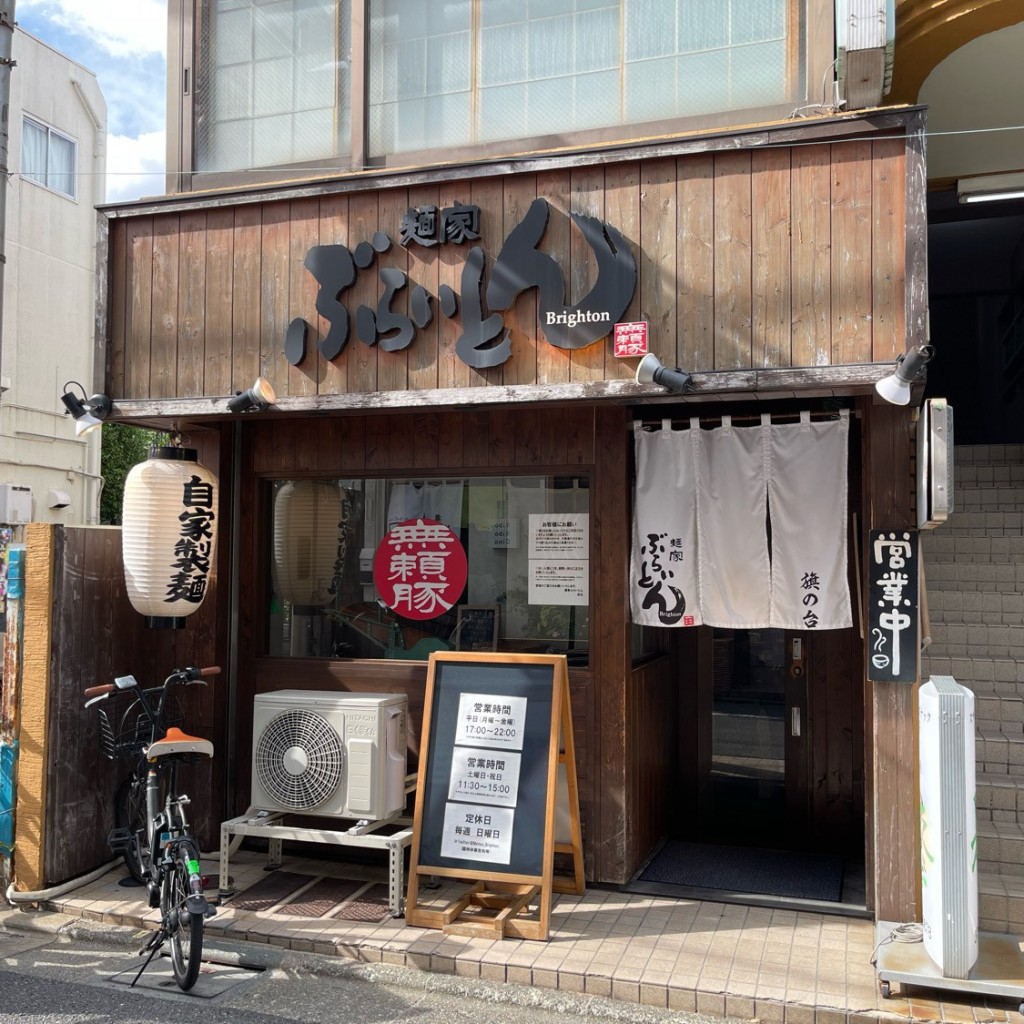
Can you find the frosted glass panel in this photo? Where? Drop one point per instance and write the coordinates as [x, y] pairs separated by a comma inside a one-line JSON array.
[[526, 67], [284, 63]]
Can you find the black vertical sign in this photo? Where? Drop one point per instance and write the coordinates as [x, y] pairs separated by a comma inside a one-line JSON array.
[[893, 600]]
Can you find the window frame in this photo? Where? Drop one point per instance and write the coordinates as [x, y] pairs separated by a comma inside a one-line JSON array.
[[186, 38], [263, 536], [38, 122]]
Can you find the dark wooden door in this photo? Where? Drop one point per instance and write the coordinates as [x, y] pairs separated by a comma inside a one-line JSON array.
[[753, 738]]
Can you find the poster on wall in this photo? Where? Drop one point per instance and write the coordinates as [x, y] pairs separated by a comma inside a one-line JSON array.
[[6, 535], [893, 600], [559, 570]]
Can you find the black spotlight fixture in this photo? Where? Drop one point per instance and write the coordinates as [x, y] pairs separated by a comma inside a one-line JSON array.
[[651, 371], [259, 397], [896, 387], [88, 413]]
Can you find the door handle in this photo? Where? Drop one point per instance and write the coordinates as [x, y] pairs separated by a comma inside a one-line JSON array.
[[794, 722]]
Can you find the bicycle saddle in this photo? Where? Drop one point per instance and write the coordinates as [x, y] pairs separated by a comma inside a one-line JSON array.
[[178, 742]]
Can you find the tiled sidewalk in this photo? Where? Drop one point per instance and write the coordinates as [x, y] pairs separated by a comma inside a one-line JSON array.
[[775, 966]]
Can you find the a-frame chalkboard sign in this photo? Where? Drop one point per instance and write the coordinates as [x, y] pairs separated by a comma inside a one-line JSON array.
[[497, 765]]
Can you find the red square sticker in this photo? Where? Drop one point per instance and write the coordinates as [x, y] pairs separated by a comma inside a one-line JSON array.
[[630, 339]]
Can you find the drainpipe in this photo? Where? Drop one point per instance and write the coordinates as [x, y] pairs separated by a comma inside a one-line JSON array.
[[6, 40]]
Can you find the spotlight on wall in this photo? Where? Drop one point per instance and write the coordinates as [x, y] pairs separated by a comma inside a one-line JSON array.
[[88, 413], [650, 371], [896, 387], [259, 397]]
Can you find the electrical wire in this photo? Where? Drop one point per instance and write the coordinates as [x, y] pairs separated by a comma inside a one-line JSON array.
[[912, 932]]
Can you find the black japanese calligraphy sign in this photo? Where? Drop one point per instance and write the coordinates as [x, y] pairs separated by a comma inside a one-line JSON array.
[[893, 606]]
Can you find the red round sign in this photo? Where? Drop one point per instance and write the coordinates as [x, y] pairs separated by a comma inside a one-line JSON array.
[[420, 569]]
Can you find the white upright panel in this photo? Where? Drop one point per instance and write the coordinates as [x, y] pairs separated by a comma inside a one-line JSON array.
[[949, 865]]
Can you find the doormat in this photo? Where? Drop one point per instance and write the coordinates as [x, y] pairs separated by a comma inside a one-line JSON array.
[[269, 890], [371, 905], [796, 875], [321, 898]]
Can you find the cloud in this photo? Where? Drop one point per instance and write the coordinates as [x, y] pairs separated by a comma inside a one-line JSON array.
[[121, 28], [135, 166]]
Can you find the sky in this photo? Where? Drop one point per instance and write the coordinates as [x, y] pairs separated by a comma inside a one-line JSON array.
[[124, 42]]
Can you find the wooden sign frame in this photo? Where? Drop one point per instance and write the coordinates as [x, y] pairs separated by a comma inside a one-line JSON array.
[[463, 688]]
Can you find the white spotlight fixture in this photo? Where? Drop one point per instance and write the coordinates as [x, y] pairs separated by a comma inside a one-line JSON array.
[[651, 371], [259, 397], [896, 387], [88, 413]]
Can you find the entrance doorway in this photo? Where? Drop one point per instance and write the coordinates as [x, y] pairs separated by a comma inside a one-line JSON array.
[[752, 739], [772, 739]]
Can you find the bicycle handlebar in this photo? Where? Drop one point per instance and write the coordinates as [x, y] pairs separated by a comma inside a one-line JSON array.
[[186, 675]]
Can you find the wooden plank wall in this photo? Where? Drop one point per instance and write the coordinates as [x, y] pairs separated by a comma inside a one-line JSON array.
[[774, 258], [97, 636], [496, 441]]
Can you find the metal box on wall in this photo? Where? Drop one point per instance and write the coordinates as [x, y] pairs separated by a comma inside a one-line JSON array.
[[15, 504]]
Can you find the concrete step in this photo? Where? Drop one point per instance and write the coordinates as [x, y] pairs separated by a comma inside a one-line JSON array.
[[991, 677], [975, 608], [1001, 848], [1000, 902], [1000, 799], [972, 641], [999, 753], [987, 454], [949, 549]]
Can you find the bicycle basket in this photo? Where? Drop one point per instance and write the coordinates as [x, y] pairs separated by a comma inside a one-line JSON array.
[[125, 726]]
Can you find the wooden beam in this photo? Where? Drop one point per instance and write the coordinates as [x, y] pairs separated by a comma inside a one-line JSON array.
[[780, 382]]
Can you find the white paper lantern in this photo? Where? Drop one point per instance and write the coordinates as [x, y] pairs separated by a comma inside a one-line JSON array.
[[309, 539], [169, 535]]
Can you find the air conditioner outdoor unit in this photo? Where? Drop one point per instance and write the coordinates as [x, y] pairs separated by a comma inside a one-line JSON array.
[[330, 754]]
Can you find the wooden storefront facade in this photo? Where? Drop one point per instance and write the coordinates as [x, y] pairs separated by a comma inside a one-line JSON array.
[[784, 267]]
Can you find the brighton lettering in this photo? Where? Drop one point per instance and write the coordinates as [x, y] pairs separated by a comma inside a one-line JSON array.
[[579, 317]]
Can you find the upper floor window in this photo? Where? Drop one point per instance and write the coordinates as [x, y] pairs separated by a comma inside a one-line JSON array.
[[48, 157], [463, 72], [308, 83], [273, 85]]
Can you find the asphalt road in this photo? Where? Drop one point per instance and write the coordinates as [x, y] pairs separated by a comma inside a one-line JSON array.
[[55, 970]]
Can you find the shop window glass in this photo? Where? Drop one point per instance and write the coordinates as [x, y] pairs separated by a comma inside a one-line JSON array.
[[526, 542]]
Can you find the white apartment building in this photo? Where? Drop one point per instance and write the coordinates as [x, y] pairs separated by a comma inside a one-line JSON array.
[[57, 161]]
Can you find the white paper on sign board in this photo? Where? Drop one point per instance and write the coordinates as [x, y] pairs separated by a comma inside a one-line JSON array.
[[559, 581], [477, 832], [485, 776], [560, 535], [491, 720]]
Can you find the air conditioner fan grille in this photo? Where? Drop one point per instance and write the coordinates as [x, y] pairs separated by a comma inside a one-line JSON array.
[[300, 760]]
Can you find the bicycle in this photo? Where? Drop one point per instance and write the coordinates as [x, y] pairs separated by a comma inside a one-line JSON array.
[[150, 813]]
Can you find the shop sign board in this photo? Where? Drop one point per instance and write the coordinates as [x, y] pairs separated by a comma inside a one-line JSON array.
[[496, 758], [893, 603], [485, 341]]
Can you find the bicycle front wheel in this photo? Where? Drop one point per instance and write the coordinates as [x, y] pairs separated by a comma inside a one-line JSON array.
[[130, 813], [184, 928]]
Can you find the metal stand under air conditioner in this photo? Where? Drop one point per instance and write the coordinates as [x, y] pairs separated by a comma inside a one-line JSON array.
[[998, 971], [392, 835]]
